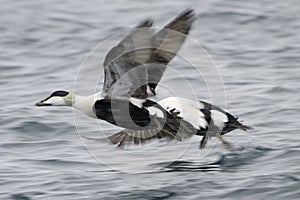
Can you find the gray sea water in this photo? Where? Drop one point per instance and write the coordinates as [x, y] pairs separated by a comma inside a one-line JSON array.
[[255, 46]]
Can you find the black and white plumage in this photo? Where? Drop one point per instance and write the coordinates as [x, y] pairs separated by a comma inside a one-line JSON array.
[[133, 69], [200, 118], [209, 120]]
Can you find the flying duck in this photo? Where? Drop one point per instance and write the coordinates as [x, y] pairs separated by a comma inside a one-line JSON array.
[[133, 69]]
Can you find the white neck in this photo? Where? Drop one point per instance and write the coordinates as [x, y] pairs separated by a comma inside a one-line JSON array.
[[85, 104]]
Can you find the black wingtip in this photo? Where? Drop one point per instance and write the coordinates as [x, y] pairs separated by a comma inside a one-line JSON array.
[[188, 10], [145, 23], [188, 13], [183, 22]]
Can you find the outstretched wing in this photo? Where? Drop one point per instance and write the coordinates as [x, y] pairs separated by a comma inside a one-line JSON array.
[[141, 58], [122, 76], [166, 43]]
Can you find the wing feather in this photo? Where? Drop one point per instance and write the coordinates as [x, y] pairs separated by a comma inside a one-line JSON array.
[[167, 42], [123, 77]]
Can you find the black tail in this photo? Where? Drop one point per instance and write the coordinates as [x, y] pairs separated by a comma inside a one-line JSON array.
[[233, 123], [243, 127]]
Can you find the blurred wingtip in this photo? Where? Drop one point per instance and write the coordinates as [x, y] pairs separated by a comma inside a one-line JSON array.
[[145, 23]]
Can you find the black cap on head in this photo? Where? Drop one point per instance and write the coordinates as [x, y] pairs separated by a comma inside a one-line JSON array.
[[59, 93]]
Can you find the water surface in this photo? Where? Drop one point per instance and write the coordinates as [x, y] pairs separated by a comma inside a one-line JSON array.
[[255, 46]]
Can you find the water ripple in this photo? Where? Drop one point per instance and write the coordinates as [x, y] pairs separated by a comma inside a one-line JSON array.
[[255, 46]]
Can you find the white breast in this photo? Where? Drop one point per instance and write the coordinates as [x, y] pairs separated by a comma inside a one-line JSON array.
[[86, 104]]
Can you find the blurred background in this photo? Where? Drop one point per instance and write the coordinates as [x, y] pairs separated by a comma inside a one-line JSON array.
[[255, 46]]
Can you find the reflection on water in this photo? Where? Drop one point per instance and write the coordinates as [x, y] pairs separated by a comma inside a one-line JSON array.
[[226, 162]]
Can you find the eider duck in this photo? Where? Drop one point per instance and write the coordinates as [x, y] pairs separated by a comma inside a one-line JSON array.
[[133, 69]]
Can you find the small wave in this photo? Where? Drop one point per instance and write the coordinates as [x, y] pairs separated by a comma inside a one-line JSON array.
[[60, 162], [34, 144], [20, 197], [241, 156], [33, 126]]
